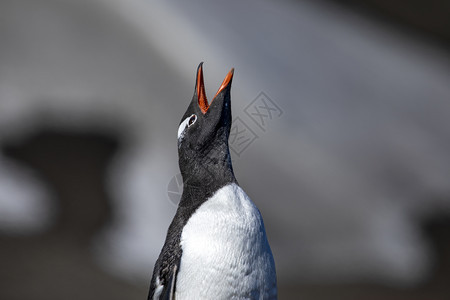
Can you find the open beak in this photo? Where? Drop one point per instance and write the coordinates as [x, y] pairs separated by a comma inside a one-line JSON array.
[[202, 101]]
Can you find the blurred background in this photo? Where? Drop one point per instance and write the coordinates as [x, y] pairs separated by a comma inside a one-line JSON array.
[[341, 137]]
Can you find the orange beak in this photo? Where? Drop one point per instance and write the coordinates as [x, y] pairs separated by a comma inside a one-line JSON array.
[[202, 101]]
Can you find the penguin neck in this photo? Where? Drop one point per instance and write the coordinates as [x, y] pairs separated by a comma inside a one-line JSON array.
[[205, 176]]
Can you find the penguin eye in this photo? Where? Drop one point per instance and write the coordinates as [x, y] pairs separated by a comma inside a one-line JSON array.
[[188, 122], [192, 120]]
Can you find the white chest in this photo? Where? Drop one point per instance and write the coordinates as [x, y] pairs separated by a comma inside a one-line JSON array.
[[225, 251]]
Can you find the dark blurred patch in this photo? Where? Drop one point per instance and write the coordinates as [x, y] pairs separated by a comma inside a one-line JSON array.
[[427, 19], [58, 264], [436, 229], [74, 165]]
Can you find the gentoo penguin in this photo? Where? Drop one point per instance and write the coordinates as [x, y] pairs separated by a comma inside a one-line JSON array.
[[216, 246]]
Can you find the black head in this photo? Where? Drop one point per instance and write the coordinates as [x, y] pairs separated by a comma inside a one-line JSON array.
[[204, 157]]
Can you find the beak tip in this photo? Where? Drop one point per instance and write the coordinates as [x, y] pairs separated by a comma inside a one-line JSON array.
[[231, 74], [200, 90]]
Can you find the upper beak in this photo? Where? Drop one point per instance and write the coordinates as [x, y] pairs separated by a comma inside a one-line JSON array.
[[202, 101]]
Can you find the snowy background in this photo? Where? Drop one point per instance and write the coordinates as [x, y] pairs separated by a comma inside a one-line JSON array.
[[351, 171]]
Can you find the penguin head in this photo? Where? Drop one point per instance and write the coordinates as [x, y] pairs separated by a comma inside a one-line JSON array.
[[203, 134]]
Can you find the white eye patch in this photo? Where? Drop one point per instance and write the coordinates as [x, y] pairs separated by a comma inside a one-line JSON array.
[[188, 122]]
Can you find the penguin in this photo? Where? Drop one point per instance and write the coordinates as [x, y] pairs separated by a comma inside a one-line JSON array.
[[216, 245]]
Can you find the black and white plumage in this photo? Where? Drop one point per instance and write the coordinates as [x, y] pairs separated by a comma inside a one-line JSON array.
[[216, 246]]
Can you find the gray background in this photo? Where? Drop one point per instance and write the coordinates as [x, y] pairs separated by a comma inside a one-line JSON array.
[[351, 174]]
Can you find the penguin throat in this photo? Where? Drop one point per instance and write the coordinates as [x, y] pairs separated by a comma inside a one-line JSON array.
[[208, 171]]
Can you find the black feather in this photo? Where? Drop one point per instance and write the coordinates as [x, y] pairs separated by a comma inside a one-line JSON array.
[[205, 164]]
